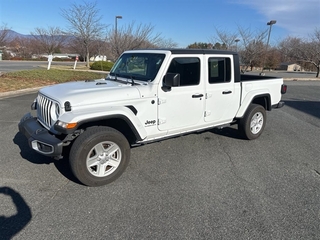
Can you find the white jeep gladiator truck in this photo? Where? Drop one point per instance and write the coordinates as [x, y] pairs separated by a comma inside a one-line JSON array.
[[148, 95]]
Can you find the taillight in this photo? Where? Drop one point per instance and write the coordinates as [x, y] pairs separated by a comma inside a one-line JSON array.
[[283, 89]]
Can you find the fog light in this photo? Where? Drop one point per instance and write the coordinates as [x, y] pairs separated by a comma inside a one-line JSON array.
[[42, 147]]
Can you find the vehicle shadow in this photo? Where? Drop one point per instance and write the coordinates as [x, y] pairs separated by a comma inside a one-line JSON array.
[[10, 226], [30, 155], [309, 107], [27, 153], [231, 132]]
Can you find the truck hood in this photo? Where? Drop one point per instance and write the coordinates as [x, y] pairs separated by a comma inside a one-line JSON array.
[[90, 92]]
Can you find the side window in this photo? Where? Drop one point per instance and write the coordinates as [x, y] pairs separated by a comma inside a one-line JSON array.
[[188, 68], [219, 70]]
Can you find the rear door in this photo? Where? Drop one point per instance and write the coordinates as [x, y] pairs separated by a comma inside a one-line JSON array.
[[222, 93]]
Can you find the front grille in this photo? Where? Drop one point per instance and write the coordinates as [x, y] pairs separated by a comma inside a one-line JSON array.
[[44, 105]]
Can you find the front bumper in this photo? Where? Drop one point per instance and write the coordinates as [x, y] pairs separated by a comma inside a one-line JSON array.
[[40, 138]]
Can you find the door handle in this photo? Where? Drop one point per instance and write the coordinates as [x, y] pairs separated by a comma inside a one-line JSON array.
[[197, 95], [226, 92]]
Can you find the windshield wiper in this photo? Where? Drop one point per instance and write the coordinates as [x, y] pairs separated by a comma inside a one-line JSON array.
[[132, 81], [128, 78]]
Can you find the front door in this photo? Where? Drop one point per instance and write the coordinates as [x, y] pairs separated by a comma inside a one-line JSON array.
[[182, 106]]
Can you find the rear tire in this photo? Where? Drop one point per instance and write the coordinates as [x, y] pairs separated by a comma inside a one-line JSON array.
[[253, 122], [99, 156]]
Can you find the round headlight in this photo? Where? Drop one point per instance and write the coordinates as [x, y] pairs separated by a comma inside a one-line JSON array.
[[55, 111]]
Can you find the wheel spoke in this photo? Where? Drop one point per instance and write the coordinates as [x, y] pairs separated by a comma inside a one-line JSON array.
[[112, 149], [113, 162], [94, 161], [93, 157], [101, 169], [259, 118], [99, 148]]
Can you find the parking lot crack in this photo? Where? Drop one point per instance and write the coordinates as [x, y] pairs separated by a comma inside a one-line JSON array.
[[233, 167]]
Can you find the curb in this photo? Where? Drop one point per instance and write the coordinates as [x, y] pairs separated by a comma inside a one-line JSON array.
[[19, 92]]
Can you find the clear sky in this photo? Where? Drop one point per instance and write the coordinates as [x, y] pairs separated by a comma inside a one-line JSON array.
[[183, 21]]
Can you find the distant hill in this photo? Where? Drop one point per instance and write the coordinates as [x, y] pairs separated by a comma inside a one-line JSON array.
[[13, 34]]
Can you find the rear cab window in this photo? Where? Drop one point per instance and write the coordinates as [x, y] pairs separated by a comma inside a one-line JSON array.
[[219, 69]]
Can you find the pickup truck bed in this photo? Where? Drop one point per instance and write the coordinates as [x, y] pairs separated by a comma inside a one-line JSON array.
[[249, 77]]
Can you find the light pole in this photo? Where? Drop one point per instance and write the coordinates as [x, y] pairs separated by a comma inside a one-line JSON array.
[[237, 40], [116, 33], [269, 24], [116, 23]]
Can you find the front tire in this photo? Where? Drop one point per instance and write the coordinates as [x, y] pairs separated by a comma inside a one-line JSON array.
[[99, 156], [253, 122]]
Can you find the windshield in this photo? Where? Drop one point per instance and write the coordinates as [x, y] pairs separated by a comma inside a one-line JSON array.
[[138, 66]]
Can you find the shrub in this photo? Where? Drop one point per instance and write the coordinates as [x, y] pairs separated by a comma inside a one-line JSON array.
[[102, 65], [16, 58], [6, 55]]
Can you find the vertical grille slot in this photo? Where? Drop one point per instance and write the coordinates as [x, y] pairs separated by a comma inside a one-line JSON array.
[[43, 110]]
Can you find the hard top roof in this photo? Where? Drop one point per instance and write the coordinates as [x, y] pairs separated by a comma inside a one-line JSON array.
[[189, 51]]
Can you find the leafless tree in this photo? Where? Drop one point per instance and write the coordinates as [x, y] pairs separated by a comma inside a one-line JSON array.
[[253, 50], [166, 43], [75, 45], [85, 24], [22, 46], [224, 39], [272, 58], [35, 47], [287, 47], [4, 31], [100, 48], [304, 51], [134, 37], [50, 40]]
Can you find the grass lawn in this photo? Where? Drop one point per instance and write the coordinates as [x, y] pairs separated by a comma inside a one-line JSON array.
[[41, 77]]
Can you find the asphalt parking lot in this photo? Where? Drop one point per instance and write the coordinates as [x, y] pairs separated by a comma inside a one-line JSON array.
[[210, 185]]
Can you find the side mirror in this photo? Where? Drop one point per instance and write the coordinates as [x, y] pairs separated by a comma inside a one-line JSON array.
[[171, 80]]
